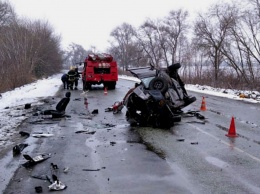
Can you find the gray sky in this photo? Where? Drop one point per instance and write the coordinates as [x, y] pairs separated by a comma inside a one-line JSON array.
[[89, 22]]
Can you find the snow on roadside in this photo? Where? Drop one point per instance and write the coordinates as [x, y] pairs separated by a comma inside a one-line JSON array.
[[12, 112], [30, 92], [250, 96]]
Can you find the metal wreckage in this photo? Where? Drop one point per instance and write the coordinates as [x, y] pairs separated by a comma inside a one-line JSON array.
[[158, 99]]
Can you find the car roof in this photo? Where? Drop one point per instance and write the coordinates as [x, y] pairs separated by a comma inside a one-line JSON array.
[[143, 72]]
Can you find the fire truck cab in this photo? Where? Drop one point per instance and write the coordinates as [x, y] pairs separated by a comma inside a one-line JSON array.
[[99, 69]]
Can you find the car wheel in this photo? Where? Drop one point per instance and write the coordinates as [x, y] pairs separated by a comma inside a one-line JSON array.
[[158, 83]]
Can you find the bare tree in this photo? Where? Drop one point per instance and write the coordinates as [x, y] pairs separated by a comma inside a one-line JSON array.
[[75, 54], [211, 31], [28, 50], [174, 28], [7, 14], [124, 47], [242, 51], [149, 39], [160, 39], [47, 58]]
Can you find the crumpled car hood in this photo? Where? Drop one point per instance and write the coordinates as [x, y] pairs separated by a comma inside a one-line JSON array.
[[143, 72]]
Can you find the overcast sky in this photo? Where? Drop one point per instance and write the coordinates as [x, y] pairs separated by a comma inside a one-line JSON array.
[[89, 22]]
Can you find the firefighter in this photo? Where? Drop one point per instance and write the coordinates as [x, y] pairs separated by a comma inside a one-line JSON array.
[[77, 76], [73, 77]]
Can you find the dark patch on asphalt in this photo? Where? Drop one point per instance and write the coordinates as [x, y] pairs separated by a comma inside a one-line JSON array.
[[222, 128], [98, 169], [216, 112], [134, 141], [151, 148], [86, 132], [112, 143], [199, 122]]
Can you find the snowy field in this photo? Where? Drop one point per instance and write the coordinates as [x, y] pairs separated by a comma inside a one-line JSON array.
[[12, 103]]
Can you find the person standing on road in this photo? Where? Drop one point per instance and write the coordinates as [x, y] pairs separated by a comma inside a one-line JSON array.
[[77, 76], [71, 77]]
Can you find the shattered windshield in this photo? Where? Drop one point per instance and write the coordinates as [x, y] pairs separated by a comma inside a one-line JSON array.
[[146, 81]]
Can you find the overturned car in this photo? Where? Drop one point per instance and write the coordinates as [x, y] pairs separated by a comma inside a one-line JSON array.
[[158, 99]]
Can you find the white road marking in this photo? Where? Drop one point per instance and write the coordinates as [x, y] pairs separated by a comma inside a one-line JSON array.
[[226, 143]]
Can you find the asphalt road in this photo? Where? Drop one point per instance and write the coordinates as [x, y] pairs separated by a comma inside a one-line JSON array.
[[103, 154]]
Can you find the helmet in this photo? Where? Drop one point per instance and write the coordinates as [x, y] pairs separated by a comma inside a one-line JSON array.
[[72, 67]]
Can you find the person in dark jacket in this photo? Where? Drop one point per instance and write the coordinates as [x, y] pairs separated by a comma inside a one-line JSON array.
[[73, 78], [64, 79], [77, 76], [60, 107]]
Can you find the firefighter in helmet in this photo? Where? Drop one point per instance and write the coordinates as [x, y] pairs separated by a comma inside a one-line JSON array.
[[73, 77]]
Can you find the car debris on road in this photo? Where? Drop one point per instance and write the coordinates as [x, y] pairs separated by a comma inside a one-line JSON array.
[[158, 99], [38, 135], [17, 149], [33, 161], [116, 107]]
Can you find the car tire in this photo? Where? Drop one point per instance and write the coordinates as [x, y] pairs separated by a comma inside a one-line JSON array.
[[158, 83]]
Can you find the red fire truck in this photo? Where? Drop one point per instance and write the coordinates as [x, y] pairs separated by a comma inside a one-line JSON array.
[[99, 69]]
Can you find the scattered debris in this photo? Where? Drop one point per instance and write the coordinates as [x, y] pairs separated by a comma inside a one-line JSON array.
[[38, 189], [112, 143], [109, 125], [37, 135], [180, 139], [109, 109], [27, 106], [91, 169], [84, 94], [17, 149], [24, 134], [66, 170], [57, 185], [194, 143], [54, 166], [196, 114], [77, 99], [42, 177], [32, 161], [86, 132], [95, 111], [200, 122], [116, 108]]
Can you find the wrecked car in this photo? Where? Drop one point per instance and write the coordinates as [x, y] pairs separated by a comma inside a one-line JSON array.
[[158, 99]]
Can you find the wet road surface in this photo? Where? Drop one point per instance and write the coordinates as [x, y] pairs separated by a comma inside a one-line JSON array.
[[103, 154]]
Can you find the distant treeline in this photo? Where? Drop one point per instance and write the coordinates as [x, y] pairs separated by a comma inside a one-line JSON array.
[[219, 48], [29, 50]]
